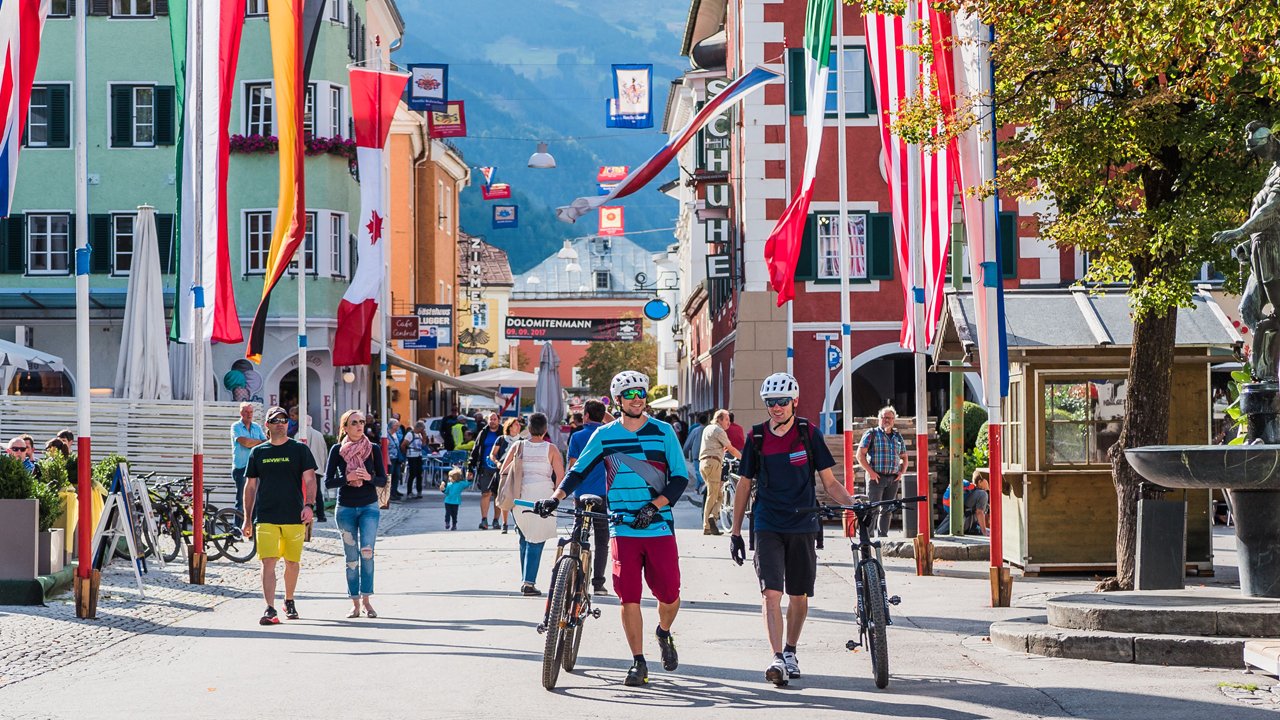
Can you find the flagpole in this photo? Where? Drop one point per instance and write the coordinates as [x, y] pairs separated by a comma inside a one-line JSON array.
[[915, 245], [842, 235], [194, 103], [791, 318], [384, 181], [86, 583]]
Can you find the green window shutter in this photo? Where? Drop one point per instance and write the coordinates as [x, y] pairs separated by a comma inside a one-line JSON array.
[[100, 240], [14, 234], [59, 116], [71, 8], [164, 235], [122, 116], [99, 7], [71, 244], [162, 7], [795, 80], [1008, 227], [807, 264], [880, 246], [164, 104], [870, 89]]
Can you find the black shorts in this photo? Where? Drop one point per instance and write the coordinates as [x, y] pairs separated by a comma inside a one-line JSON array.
[[786, 562], [487, 479]]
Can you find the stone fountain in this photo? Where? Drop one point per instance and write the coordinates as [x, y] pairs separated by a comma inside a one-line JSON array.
[[1250, 473]]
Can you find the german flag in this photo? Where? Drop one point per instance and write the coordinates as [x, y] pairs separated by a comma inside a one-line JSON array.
[[284, 17]]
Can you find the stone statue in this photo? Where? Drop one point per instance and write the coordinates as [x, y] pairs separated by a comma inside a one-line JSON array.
[[1259, 247]]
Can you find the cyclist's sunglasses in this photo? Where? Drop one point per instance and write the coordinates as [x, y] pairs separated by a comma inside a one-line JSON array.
[[777, 402], [634, 393]]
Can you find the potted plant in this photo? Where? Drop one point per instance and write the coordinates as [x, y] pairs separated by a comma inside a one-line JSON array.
[[48, 491], [19, 521]]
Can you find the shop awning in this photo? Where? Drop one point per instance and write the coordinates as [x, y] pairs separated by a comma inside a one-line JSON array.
[[436, 375]]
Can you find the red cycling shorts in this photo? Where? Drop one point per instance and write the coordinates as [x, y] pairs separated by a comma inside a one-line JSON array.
[[659, 560]]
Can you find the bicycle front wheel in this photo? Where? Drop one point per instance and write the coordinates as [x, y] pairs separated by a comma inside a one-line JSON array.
[[877, 623], [557, 619], [730, 488], [212, 528], [169, 541], [226, 536]]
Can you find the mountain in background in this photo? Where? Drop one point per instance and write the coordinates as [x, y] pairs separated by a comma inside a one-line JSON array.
[[532, 70]]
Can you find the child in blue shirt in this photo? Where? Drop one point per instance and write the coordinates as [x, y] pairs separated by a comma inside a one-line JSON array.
[[453, 498]]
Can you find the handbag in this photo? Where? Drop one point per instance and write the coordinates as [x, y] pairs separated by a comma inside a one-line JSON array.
[[511, 480]]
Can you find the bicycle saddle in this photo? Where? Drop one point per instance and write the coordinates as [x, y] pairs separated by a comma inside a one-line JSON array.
[[590, 502]]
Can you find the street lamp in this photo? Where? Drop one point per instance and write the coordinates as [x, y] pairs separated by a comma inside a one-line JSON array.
[[542, 160], [567, 252]]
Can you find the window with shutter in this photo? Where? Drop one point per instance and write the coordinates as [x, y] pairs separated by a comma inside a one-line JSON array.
[[795, 80], [255, 8], [859, 91], [1007, 227], [62, 9], [165, 108], [100, 244], [36, 133], [807, 265], [133, 8], [59, 116], [99, 7], [880, 246], [164, 234], [49, 243], [121, 116], [13, 232]]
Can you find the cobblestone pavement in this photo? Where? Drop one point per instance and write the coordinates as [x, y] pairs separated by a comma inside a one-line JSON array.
[[1259, 695], [35, 640]]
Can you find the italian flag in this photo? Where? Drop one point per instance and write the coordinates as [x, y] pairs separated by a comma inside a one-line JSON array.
[[782, 249]]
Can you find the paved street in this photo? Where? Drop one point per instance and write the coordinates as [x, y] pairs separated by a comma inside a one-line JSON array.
[[455, 640]]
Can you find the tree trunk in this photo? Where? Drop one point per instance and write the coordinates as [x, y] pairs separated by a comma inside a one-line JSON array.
[[1146, 422]]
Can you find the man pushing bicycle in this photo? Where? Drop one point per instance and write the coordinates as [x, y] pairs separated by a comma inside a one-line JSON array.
[[783, 457], [645, 474]]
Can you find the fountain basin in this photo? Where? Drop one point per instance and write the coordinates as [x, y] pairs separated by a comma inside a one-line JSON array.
[[1233, 467]]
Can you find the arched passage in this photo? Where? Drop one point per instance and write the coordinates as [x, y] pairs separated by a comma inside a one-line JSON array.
[[885, 375]]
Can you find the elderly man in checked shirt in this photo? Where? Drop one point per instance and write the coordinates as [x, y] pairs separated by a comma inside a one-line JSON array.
[[882, 454]]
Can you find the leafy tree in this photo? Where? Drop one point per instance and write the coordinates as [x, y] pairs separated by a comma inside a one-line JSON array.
[[603, 360], [1128, 115]]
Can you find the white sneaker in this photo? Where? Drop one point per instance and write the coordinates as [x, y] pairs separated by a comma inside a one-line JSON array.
[[776, 673], [792, 664]]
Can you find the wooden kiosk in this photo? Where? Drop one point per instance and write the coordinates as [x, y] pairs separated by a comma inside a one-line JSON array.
[[1068, 361]]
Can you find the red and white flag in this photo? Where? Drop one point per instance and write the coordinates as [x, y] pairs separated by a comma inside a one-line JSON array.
[[886, 37], [611, 221], [374, 96]]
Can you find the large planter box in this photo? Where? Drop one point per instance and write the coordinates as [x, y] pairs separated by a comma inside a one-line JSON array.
[[19, 531], [53, 553]]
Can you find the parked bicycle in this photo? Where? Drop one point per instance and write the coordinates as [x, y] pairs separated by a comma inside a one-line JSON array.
[[171, 501], [569, 602], [869, 582], [729, 475]]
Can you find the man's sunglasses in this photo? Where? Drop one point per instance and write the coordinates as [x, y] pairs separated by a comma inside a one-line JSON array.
[[278, 421], [777, 402], [634, 394]]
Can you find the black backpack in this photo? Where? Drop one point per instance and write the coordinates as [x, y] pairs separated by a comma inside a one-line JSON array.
[[446, 432]]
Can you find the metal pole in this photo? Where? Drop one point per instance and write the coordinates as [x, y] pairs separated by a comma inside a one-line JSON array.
[[957, 431], [196, 558], [915, 245], [842, 233], [384, 181], [86, 587]]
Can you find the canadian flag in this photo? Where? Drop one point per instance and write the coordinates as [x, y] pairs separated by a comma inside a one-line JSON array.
[[610, 221], [374, 96]]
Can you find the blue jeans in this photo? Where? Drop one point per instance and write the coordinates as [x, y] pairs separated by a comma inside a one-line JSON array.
[[237, 474], [359, 526], [530, 558]]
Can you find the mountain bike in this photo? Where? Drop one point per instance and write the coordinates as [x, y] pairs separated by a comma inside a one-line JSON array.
[[873, 596], [569, 602], [171, 502], [730, 477]]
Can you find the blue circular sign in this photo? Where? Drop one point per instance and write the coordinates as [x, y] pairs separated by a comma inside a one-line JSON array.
[[657, 309]]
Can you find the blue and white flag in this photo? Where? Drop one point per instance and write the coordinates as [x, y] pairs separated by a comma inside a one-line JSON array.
[[505, 216], [428, 86], [632, 103]]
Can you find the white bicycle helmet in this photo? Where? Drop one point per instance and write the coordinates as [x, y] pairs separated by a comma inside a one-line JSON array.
[[780, 385], [628, 379]]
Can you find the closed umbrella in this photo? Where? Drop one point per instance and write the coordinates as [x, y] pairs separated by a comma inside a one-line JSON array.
[[548, 397], [142, 371]]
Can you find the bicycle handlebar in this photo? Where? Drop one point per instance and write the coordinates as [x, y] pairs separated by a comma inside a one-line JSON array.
[[616, 518], [861, 507]]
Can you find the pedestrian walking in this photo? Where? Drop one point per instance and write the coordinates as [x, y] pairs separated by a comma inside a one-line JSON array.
[[279, 503], [540, 466], [453, 498], [245, 436], [712, 449], [320, 451], [594, 484], [414, 444], [355, 468], [395, 435], [882, 455], [645, 475], [784, 458], [484, 469], [511, 431]]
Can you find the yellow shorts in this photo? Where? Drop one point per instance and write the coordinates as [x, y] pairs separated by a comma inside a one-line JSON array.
[[280, 541]]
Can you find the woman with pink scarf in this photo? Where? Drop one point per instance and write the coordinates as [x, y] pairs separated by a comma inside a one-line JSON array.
[[356, 469]]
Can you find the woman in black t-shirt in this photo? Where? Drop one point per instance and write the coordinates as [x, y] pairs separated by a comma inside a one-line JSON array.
[[355, 467]]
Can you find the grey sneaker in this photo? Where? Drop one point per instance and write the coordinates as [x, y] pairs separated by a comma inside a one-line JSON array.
[[776, 673], [793, 665]]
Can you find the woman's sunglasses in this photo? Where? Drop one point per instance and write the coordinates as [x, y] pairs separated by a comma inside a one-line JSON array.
[[777, 402], [634, 394]]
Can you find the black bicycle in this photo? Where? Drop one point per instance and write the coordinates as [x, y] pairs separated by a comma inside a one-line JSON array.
[[873, 596]]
